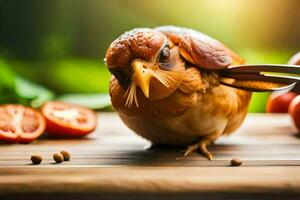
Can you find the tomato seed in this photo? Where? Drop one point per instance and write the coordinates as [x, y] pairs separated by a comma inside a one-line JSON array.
[[28, 128], [66, 155], [58, 157], [236, 162], [7, 128], [36, 159]]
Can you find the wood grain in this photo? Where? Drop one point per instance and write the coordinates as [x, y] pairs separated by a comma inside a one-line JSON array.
[[113, 160], [151, 179]]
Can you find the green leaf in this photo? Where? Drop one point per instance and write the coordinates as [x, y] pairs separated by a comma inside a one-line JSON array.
[[7, 77], [94, 101], [258, 102], [30, 91], [7, 84], [88, 76]]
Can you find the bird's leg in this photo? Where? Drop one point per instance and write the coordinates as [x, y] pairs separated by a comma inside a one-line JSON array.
[[201, 145]]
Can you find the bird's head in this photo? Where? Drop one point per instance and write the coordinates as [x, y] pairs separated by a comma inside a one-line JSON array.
[[150, 64], [146, 60]]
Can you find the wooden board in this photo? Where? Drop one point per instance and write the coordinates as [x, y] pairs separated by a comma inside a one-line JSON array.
[[113, 160]]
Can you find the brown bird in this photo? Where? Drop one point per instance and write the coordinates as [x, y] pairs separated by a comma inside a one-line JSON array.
[[165, 87]]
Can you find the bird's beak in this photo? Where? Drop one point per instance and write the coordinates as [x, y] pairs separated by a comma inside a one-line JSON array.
[[141, 75]]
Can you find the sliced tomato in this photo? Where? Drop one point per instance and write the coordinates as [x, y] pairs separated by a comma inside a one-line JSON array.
[[20, 124], [68, 120]]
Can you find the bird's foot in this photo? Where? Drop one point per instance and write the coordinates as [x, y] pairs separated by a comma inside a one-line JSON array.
[[201, 146]]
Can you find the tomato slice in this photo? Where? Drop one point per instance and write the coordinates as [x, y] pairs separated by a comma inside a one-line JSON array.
[[68, 120], [20, 124]]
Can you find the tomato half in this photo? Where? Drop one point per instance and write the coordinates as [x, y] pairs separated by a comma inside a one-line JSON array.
[[20, 124], [68, 120]]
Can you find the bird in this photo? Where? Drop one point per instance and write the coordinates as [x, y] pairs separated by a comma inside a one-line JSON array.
[[165, 86]]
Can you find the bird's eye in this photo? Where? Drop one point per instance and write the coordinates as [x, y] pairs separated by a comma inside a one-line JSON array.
[[164, 55], [165, 60]]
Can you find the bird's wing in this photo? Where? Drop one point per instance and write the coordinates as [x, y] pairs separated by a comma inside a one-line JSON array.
[[196, 81], [200, 49]]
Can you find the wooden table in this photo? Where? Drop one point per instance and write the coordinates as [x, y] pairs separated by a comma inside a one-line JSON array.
[[113, 163]]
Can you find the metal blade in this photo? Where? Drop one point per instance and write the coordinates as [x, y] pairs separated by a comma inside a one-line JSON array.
[[257, 86], [257, 68]]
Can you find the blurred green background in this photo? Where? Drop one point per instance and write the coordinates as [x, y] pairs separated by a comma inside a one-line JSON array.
[[55, 48]]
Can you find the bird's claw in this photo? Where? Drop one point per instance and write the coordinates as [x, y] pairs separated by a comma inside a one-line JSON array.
[[201, 146], [190, 149]]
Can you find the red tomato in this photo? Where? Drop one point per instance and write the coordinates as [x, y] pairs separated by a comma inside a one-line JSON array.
[[279, 103], [20, 124], [294, 110], [68, 120]]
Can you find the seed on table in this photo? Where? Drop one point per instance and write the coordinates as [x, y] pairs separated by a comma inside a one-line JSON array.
[[236, 162], [58, 157], [66, 155], [36, 159]]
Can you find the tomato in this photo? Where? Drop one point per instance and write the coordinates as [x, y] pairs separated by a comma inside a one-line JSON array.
[[294, 110], [20, 124], [68, 120], [279, 103]]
